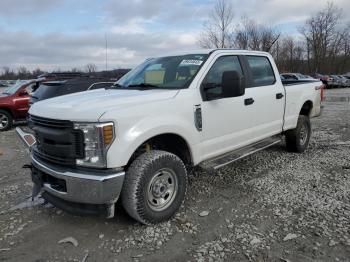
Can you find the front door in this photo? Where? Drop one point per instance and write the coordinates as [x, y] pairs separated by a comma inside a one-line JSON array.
[[228, 123]]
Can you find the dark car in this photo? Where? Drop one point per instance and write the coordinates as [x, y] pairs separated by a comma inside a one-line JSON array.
[[59, 88]]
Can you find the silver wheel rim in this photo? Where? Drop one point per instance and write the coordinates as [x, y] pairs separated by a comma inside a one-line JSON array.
[[162, 189], [303, 134], [4, 120]]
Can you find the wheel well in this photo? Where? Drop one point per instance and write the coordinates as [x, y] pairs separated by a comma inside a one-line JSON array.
[[306, 108], [168, 142], [7, 110]]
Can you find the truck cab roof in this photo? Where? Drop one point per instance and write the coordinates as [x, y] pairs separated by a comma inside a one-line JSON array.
[[214, 50]]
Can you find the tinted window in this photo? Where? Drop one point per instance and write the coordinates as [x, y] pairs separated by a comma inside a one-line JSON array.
[[48, 90], [59, 88], [214, 76], [261, 69]]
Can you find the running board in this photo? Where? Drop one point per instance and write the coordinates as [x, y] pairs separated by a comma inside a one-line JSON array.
[[228, 158]]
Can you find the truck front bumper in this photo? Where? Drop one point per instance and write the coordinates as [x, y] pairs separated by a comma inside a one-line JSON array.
[[77, 191]]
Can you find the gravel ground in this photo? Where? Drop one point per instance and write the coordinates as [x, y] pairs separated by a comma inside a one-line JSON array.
[[271, 206]]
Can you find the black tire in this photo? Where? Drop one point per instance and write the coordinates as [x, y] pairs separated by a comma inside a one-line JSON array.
[[6, 120], [297, 140], [149, 171]]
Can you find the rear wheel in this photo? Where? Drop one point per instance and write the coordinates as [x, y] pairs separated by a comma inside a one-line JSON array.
[[297, 140], [154, 187], [6, 120]]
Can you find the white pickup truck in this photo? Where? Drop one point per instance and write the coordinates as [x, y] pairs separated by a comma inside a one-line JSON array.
[[137, 138]]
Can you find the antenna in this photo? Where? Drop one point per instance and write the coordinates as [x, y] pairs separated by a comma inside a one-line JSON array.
[[106, 50]]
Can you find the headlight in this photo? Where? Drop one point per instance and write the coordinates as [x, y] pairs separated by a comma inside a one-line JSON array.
[[97, 139]]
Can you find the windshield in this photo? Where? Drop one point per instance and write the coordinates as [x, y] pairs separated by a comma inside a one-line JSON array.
[[14, 88], [172, 72]]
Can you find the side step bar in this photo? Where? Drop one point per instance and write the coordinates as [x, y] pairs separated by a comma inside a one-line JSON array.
[[229, 158]]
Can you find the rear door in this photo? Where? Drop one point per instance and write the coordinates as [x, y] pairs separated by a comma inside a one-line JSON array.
[[268, 94]]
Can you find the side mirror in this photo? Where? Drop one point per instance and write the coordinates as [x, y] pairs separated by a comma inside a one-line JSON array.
[[232, 84]]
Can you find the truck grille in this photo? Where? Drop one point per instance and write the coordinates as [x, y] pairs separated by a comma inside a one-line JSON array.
[[46, 122], [57, 141]]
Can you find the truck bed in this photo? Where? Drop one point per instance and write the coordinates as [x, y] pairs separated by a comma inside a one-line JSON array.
[[298, 82]]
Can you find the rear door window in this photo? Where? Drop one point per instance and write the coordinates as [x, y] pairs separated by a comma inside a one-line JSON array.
[[261, 71]]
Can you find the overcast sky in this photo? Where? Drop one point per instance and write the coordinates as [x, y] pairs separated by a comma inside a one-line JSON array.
[[61, 34]]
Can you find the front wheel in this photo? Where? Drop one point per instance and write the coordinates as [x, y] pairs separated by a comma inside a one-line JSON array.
[[6, 120], [298, 138], [154, 187]]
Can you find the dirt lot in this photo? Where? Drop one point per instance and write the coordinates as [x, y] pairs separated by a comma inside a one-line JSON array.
[[272, 206]]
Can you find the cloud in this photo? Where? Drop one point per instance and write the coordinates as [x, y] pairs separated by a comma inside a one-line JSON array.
[[17, 8], [134, 26], [136, 29], [169, 12], [275, 12], [63, 51]]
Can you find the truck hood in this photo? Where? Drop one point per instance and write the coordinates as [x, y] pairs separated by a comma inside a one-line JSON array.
[[91, 105]]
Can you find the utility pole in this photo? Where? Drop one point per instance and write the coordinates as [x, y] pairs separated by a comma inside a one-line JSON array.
[[106, 51]]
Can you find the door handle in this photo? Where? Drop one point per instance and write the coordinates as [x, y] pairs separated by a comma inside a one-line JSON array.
[[248, 101], [279, 96]]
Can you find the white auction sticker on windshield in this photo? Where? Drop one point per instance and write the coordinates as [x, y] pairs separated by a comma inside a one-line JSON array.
[[191, 62]]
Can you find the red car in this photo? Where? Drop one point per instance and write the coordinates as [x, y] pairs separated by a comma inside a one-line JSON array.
[[14, 103]]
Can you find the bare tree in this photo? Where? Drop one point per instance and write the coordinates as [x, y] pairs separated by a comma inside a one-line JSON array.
[[246, 34], [344, 63], [22, 72], [37, 72], [218, 30], [321, 34], [251, 35], [7, 73], [90, 68], [290, 55], [75, 70], [269, 37]]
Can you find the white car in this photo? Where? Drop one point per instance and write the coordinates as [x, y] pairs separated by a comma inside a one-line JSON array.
[[334, 81], [344, 81], [137, 139]]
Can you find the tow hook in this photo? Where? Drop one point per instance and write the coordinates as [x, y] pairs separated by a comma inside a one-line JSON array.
[[27, 166], [37, 181]]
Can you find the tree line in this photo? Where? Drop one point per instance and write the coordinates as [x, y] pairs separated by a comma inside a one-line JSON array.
[[322, 47], [6, 73]]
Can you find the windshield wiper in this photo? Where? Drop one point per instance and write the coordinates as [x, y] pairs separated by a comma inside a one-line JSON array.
[[141, 86], [144, 86]]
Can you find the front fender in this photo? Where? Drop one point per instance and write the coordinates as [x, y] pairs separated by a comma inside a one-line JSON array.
[[130, 138]]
